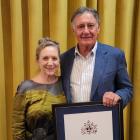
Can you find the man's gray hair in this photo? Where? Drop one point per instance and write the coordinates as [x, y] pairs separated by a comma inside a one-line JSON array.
[[82, 10]]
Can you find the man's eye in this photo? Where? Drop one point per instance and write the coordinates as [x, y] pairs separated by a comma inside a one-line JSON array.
[[90, 26], [81, 26]]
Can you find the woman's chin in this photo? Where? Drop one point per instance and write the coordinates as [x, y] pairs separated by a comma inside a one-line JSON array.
[[50, 73]]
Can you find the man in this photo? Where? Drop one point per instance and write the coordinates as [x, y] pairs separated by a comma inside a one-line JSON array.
[[92, 71]]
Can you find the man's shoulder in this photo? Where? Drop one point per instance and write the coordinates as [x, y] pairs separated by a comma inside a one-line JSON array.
[[69, 51], [109, 48], [68, 54]]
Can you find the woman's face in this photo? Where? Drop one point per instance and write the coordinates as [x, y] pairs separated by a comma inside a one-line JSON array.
[[49, 60]]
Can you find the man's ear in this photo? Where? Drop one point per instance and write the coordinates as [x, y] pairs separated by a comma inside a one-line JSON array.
[[98, 29], [73, 28]]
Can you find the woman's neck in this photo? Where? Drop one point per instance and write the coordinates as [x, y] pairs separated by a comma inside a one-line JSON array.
[[45, 79]]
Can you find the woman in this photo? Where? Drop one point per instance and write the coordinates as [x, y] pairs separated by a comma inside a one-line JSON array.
[[32, 114]]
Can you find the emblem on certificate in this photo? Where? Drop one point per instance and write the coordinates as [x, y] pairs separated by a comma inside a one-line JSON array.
[[89, 128]]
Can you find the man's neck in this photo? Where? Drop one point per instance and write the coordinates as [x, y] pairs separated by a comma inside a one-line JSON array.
[[85, 50]]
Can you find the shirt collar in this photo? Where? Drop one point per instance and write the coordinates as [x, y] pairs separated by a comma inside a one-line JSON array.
[[93, 51]]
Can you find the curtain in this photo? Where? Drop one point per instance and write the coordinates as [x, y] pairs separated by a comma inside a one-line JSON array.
[[24, 22]]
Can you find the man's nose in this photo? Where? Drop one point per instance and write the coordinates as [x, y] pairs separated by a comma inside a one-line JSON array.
[[86, 29]]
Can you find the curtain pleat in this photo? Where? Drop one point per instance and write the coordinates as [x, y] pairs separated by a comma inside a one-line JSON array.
[[58, 22], [3, 133], [17, 42], [135, 111], [107, 11], [35, 31]]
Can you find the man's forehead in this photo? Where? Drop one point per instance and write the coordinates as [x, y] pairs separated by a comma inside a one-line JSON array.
[[85, 13], [86, 17]]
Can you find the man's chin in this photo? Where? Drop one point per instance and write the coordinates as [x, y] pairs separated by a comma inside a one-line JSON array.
[[86, 43]]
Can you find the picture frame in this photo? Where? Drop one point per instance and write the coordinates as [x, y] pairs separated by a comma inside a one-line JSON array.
[[88, 121]]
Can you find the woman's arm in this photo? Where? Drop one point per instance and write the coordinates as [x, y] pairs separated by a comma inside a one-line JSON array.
[[18, 117]]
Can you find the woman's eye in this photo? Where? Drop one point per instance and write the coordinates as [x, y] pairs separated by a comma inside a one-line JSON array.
[[49, 58], [54, 58], [45, 58]]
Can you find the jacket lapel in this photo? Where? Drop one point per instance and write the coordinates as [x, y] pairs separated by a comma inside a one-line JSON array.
[[99, 67], [69, 69]]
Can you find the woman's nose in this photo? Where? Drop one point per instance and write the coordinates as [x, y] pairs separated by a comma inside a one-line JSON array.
[[50, 62]]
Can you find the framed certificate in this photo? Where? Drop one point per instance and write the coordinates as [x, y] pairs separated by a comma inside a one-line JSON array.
[[88, 121]]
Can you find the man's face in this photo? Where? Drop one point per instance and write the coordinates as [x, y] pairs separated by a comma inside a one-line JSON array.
[[86, 29]]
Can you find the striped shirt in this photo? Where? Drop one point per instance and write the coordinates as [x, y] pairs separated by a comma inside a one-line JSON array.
[[81, 76]]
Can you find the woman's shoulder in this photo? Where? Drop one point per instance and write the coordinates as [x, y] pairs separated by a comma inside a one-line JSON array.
[[24, 86]]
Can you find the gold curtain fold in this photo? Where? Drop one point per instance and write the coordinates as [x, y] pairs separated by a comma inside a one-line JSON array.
[[124, 40], [3, 133], [24, 22], [92, 3], [58, 22], [135, 111], [17, 42], [124, 28], [7, 83], [35, 31], [107, 11]]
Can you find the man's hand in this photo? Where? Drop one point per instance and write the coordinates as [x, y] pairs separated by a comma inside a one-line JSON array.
[[110, 99]]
